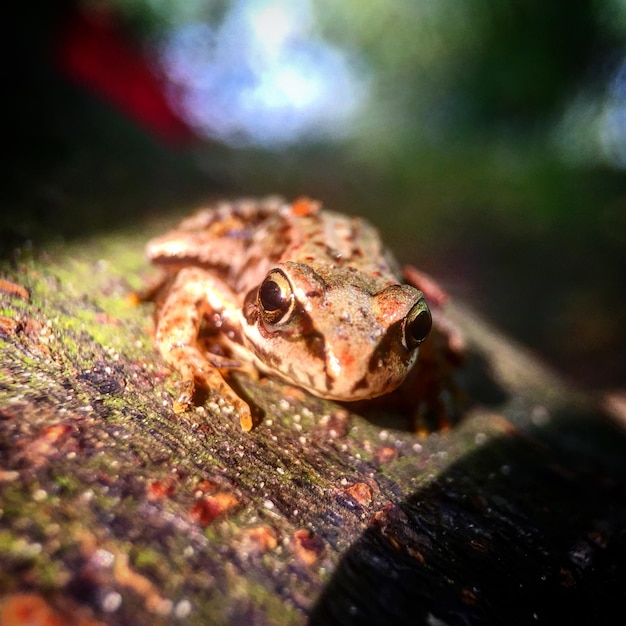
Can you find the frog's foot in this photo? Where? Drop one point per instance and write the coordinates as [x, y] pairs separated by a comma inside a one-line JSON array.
[[211, 379], [435, 294], [184, 402]]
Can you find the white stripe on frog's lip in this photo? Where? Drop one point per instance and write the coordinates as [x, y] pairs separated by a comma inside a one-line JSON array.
[[332, 365]]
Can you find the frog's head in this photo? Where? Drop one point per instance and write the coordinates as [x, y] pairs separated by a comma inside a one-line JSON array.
[[336, 334]]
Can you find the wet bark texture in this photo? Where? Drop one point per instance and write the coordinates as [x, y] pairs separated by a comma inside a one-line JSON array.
[[113, 510]]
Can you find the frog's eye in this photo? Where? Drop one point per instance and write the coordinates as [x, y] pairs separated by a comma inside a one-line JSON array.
[[417, 325], [276, 298]]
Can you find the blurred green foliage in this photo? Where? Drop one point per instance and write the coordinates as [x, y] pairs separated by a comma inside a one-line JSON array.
[[489, 149]]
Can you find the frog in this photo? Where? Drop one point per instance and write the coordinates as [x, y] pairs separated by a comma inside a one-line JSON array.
[[289, 290]]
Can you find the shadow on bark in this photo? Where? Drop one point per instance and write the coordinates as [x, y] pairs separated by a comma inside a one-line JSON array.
[[529, 529]]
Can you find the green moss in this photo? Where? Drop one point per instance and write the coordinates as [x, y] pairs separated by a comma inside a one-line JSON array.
[[52, 573], [145, 557], [67, 484], [20, 549], [275, 610], [7, 541]]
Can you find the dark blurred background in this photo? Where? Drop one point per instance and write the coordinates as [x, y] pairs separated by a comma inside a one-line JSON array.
[[486, 139]]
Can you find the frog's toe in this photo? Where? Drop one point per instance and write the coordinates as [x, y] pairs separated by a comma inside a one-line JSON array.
[[180, 407], [185, 399], [245, 417]]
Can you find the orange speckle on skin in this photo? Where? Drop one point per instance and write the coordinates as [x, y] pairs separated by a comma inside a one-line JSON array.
[[387, 306], [347, 357], [303, 206]]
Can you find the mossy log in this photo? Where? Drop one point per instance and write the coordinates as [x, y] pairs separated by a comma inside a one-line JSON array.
[[113, 510]]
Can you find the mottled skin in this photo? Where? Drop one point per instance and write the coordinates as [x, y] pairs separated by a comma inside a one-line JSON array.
[[289, 290]]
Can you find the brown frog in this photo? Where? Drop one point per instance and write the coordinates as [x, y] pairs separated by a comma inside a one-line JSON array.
[[285, 289]]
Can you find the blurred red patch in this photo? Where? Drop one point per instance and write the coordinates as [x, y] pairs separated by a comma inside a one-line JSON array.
[[94, 50]]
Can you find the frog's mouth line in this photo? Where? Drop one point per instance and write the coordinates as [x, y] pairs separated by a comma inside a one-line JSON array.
[[315, 344], [323, 381], [312, 340], [388, 344]]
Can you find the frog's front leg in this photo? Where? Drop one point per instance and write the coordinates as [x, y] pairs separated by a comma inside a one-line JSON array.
[[195, 295]]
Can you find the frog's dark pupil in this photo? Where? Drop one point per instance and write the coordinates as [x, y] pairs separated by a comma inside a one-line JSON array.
[[420, 326], [271, 295]]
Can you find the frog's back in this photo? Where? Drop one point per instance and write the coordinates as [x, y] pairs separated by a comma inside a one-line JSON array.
[[241, 241], [225, 239], [337, 243]]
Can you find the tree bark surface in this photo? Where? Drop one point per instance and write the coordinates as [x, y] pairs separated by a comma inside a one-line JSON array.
[[113, 510]]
